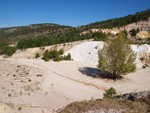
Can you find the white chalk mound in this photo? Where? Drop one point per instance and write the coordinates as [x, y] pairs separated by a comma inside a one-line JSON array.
[[87, 52]]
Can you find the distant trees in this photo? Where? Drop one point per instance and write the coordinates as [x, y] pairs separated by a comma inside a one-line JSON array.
[[118, 22], [99, 36], [55, 55], [5, 49], [9, 50], [116, 57], [2, 45], [1, 52], [133, 32], [45, 41]]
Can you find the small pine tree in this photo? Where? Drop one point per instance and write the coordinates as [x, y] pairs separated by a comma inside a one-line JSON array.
[[116, 57], [57, 57], [110, 93]]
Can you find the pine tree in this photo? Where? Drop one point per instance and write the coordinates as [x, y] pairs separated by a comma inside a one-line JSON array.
[[116, 57]]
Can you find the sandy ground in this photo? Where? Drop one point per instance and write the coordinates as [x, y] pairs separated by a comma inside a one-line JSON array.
[[43, 87]]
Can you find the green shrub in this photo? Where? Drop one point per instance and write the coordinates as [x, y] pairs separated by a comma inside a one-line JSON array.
[[133, 32], [143, 58], [148, 39], [19, 108], [29, 80], [37, 55], [61, 51], [144, 67], [110, 93], [43, 48], [46, 59], [68, 57], [57, 57], [9, 95], [14, 75], [140, 39]]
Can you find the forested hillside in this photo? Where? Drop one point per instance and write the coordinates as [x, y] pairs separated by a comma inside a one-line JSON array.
[[118, 22], [65, 33], [35, 30]]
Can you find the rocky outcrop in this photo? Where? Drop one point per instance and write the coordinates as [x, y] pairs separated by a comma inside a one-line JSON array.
[[143, 96]]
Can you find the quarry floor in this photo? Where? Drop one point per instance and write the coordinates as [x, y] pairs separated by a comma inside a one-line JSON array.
[[35, 86]]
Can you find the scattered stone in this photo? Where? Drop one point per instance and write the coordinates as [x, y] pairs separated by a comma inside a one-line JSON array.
[[39, 75]]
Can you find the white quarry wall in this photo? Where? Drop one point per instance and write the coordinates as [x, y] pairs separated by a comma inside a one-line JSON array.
[[87, 52]]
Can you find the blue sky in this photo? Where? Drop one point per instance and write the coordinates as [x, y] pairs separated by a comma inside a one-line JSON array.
[[66, 12]]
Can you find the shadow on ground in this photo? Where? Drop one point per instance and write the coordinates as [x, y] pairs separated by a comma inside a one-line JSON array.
[[96, 73], [89, 71]]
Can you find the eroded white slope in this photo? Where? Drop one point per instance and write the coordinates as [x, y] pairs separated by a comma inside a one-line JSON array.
[[87, 52]]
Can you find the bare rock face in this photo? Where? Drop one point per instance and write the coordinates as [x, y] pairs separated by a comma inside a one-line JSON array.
[[143, 34], [142, 25]]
